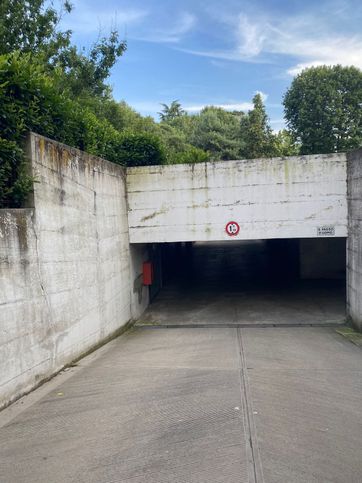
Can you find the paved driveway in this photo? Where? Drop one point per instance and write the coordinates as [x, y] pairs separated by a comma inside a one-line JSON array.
[[195, 405]]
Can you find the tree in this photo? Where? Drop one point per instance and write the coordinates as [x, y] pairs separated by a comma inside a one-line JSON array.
[[256, 132], [85, 75], [323, 109], [30, 100], [169, 113], [140, 149], [178, 149], [218, 132], [284, 144], [31, 27]]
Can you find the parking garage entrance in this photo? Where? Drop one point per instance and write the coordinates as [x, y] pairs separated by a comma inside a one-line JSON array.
[[280, 282]]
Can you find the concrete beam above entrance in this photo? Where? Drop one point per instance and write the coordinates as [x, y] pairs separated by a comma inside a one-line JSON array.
[[293, 197]]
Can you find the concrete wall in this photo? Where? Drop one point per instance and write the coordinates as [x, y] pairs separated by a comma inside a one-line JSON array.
[[68, 278], [354, 242], [269, 198]]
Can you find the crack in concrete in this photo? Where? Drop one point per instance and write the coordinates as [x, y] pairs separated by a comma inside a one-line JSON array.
[[41, 283]]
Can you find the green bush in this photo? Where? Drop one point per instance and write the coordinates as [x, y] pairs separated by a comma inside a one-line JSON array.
[[14, 181], [141, 149], [190, 155], [30, 100]]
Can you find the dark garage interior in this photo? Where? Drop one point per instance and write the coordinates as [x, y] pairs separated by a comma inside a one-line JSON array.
[[250, 282]]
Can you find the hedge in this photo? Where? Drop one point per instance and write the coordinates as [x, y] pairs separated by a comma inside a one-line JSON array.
[[30, 100]]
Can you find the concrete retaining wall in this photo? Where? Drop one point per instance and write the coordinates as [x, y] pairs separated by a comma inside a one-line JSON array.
[[269, 198], [354, 242], [68, 278]]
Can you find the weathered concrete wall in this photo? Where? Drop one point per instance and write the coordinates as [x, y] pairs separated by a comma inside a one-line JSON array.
[[269, 198], [354, 242], [323, 258], [24, 313], [68, 278]]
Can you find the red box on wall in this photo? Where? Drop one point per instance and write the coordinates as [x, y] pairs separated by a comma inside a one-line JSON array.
[[147, 273]]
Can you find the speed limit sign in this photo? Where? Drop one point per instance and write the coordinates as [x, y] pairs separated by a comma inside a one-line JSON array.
[[232, 228]]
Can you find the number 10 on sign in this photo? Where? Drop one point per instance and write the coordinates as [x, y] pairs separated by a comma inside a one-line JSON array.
[[232, 228]]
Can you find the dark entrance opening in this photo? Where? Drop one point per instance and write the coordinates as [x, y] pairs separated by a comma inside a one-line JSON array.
[[253, 282]]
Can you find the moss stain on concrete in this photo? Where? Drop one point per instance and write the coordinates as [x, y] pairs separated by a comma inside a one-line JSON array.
[[351, 334]]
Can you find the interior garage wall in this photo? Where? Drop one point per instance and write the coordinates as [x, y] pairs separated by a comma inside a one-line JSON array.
[[354, 242], [68, 277], [322, 258], [274, 198]]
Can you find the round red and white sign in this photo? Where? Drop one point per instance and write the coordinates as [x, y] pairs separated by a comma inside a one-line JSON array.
[[232, 228]]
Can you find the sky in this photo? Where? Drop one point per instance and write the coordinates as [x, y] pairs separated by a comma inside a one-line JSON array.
[[218, 52]]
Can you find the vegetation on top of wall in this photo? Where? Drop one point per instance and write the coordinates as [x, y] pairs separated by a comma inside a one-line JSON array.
[[227, 135], [15, 183], [140, 149], [30, 100], [48, 86], [323, 109]]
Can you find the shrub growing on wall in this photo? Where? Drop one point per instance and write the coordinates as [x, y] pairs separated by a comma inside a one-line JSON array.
[[141, 149], [30, 100], [14, 181]]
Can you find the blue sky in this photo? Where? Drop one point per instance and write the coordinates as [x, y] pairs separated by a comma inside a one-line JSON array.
[[218, 52]]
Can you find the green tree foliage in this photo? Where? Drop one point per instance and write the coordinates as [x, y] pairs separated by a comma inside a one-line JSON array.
[[229, 135], [256, 132], [140, 149], [48, 86], [30, 26], [86, 75], [169, 113], [216, 131], [284, 145], [178, 149], [15, 183], [323, 109], [122, 116], [30, 100]]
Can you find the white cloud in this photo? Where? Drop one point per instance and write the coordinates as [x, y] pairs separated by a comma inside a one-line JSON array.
[[329, 51], [263, 95], [296, 69], [250, 37], [172, 34], [232, 55], [86, 20], [306, 38]]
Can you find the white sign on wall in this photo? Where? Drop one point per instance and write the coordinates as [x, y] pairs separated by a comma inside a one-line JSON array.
[[326, 230]]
